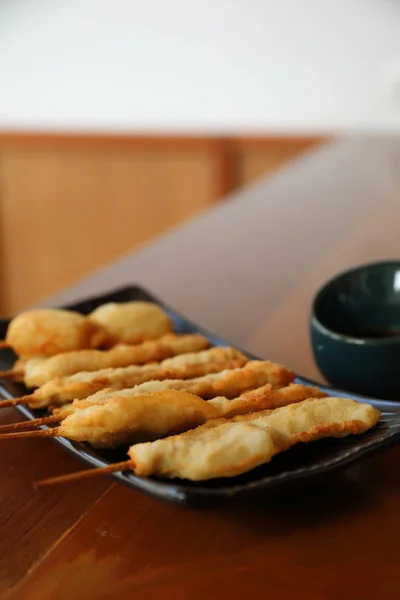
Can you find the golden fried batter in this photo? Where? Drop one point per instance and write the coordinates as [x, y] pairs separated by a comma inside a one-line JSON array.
[[46, 332], [124, 419], [229, 383], [151, 416], [81, 385], [266, 397], [232, 447], [40, 371], [132, 322]]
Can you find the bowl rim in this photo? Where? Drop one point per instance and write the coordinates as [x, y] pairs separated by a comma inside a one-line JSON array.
[[343, 337]]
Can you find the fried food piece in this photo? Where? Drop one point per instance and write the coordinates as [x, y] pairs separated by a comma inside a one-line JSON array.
[[40, 371], [132, 322], [147, 417], [46, 332], [229, 383], [81, 385], [236, 446], [262, 398], [125, 419], [251, 401]]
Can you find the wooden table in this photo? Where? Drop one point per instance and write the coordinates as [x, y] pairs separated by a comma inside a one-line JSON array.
[[247, 271]]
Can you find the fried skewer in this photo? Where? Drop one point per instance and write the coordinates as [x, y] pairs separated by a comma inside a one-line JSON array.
[[121, 420], [132, 322], [38, 371], [261, 398], [47, 332], [236, 446], [233, 448], [229, 383], [256, 399], [81, 385], [124, 420]]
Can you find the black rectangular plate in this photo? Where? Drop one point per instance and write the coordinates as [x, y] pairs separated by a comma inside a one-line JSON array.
[[296, 465]]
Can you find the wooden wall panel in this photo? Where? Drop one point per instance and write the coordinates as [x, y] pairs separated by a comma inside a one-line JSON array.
[[65, 212], [72, 203], [257, 157]]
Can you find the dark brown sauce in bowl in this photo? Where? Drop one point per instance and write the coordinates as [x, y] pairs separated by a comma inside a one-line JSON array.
[[373, 333]]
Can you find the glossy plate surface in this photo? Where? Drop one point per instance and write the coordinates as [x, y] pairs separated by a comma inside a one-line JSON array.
[[294, 466]]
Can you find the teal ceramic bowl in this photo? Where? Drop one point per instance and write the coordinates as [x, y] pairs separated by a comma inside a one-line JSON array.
[[355, 330]]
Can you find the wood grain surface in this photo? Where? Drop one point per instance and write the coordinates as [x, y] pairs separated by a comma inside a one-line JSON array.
[[77, 210], [265, 254]]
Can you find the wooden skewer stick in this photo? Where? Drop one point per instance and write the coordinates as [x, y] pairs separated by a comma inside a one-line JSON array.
[[126, 465], [28, 434], [29, 424], [4, 344], [16, 401], [11, 373]]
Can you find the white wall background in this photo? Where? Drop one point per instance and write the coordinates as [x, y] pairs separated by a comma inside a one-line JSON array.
[[200, 66]]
